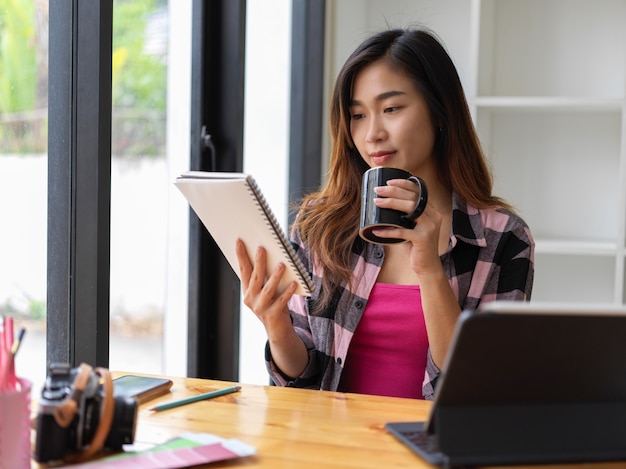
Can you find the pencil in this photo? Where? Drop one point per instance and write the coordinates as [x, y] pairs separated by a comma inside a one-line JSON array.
[[18, 341], [199, 397]]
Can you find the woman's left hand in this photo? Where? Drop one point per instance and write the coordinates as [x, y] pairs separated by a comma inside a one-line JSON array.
[[402, 195], [439, 302]]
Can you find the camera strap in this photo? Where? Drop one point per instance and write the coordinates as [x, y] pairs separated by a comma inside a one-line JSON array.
[[64, 414]]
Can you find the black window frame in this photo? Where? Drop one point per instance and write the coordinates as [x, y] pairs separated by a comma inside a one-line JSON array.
[[79, 181]]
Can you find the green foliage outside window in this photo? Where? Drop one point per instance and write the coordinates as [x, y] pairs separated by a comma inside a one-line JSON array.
[[18, 72], [139, 76]]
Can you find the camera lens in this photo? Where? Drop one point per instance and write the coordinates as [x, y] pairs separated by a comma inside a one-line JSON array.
[[122, 429], [124, 422]]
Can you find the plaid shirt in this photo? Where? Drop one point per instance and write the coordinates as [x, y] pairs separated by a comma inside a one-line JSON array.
[[490, 257]]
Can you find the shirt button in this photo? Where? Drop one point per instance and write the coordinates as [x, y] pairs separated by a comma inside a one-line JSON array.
[[338, 360], [358, 304], [379, 253]]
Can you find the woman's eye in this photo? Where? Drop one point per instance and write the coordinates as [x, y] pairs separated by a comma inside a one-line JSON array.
[[356, 117], [392, 108]]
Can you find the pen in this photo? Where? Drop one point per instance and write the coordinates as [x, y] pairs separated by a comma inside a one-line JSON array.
[[18, 341], [199, 397]]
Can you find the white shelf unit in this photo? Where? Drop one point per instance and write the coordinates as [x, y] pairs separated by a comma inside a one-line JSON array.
[[546, 83], [549, 105]]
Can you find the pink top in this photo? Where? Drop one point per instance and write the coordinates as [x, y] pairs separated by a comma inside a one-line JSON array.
[[387, 354]]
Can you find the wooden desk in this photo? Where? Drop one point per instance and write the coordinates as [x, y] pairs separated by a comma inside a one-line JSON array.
[[294, 427], [289, 427]]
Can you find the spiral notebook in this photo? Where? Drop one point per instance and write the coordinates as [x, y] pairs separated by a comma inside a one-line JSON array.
[[232, 206]]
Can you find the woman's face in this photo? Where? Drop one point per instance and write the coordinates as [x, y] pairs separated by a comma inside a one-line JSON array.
[[390, 122]]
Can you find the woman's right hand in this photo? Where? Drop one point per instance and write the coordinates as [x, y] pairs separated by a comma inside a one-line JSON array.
[[270, 306], [261, 295]]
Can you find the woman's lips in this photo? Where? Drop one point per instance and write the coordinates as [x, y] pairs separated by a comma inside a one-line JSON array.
[[380, 158]]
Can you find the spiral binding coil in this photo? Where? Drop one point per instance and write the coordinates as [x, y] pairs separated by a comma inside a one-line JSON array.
[[279, 234]]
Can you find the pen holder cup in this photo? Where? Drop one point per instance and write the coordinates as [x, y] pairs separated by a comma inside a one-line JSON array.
[[15, 427]]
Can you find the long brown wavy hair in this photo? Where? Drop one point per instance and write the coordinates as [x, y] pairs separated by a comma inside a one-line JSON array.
[[329, 218]]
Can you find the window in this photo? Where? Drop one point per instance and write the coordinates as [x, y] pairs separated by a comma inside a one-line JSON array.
[[140, 277], [138, 184], [23, 176]]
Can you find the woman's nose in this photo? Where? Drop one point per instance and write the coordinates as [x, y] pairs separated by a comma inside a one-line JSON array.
[[375, 130]]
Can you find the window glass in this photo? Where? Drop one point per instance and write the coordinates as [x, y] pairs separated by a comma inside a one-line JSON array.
[[138, 184], [141, 182], [23, 176]]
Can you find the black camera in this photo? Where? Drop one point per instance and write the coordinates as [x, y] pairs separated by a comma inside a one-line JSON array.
[[80, 416]]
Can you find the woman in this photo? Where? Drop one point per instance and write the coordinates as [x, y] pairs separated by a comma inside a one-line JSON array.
[[381, 318]]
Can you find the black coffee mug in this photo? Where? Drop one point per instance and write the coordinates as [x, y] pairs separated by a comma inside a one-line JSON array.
[[374, 217]]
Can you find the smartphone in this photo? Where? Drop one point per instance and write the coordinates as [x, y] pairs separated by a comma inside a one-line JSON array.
[[142, 388]]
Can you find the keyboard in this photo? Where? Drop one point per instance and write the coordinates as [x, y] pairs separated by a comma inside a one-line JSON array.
[[421, 442]]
